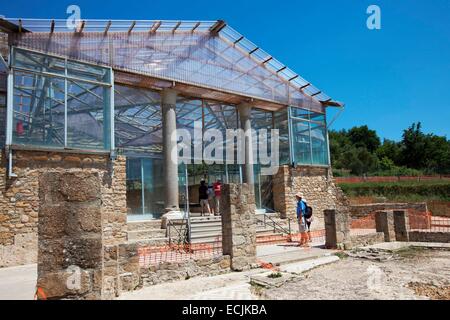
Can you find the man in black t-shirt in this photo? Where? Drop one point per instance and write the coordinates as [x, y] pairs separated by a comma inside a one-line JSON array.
[[203, 197]]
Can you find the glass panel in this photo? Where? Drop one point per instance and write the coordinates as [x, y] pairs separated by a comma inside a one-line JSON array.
[[281, 123], [134, 186], [137, 121], [263, 190], [87, 108], [153, 173], [38, 110], [39, 103], [145, 189], [301, 142], [319, 144], [189, 112], [318, 117], [183, 188], [2, 119], [38, 62], [88, 72], [300, 113]]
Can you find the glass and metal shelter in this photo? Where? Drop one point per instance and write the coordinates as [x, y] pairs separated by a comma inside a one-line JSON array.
[[98, 87]]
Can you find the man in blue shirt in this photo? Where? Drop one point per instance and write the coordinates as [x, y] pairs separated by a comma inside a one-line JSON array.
[[301, 210]]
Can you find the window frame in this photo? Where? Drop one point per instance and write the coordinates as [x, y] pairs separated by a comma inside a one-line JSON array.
[[108, 123]]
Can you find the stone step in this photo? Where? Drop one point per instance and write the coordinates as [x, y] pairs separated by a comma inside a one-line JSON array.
[[146, 234], [206, 225], [206, 218], [209, 239], [161, 241], [146, 225]]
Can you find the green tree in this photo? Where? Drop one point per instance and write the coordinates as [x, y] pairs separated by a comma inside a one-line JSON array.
[[363, 137]]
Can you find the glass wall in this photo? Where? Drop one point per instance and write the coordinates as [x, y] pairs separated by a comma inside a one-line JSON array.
[[308, 137], [281, 122], [145, 189], [60, 103]]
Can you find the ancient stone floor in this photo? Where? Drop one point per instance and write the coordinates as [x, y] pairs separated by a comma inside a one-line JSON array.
[[381, 272], [18, 283]]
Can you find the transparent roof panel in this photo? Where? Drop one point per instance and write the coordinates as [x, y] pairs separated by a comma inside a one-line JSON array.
[[200, 53]]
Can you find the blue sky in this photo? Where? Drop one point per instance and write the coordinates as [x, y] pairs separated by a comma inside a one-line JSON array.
[[388, 78]]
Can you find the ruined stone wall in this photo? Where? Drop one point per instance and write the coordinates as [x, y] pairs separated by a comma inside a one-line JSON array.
[[429, 236], [19, 199], [317, 186], [123, 269], [237, 208], [363, 216]]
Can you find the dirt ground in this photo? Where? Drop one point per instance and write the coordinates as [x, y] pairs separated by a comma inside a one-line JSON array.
[[407, 274]]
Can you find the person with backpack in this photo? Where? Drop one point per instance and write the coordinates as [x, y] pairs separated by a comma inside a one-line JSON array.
[[304, 218]]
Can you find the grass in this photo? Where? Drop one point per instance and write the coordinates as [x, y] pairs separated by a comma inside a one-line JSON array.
[[401, 191], [410, 183], [275, 275]]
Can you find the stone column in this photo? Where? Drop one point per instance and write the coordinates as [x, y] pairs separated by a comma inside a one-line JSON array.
[[384, 221], [246, 125], [70, 248], [337, 229], [401, 225], [169, 123], [237, 207]]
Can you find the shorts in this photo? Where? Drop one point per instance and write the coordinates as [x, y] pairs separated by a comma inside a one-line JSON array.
[[204, 203], [301, 226], [308, 224]]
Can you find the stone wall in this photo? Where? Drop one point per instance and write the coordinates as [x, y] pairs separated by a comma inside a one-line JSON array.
[[363, 216], [237, 207], [429, 236], [19, 199], [70, 245], [363, 240], [123, 270], [337, 229], [317, 186]]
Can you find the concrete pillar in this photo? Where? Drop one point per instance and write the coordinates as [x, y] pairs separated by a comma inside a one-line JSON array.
[[237, 207], [337, 229], [246, 125], [384, 221], [401, 225], [169, 123]]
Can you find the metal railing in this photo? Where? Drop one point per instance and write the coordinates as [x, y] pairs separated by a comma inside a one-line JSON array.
[[178, 229], [268, 220]]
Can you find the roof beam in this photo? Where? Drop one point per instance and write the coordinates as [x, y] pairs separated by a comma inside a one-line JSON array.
[[8, 26], [316, 94], [196, 26], [155, 26], [238, 40], [219, 25], [132, 26], [293, 78], [176, 26], [108, 25], [284, 68], [83, 23], [305, 86], [267, 60], [52, 26], [254, 50]]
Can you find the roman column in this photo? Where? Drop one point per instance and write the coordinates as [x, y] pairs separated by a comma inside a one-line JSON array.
[[169, 123], [246, 125]]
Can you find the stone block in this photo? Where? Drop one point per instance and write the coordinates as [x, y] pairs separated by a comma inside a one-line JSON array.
[[401, 225]]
